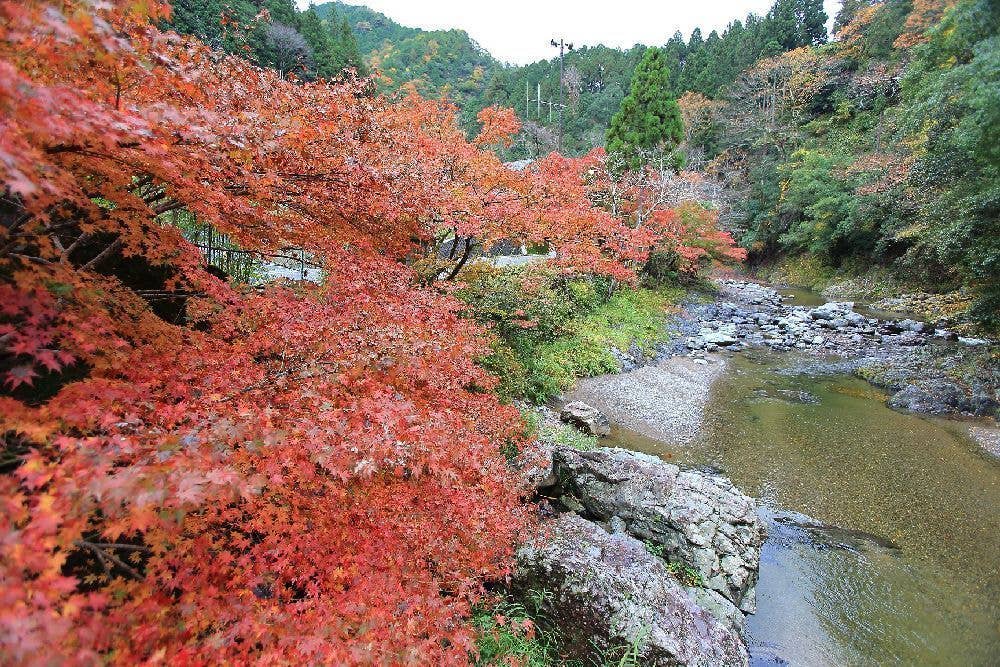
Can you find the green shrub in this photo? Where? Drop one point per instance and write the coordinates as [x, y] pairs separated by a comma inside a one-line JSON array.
[[564, 435], [506, 634], [629, 317], [552, 329]]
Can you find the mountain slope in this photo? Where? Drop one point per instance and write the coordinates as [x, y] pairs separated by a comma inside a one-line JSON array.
[[436, 63], [448, 63]]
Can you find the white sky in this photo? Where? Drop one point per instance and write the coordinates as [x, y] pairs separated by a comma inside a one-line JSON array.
[[518, 31]]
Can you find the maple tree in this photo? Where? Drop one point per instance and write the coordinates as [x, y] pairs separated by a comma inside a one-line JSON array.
[[197, 471], [659, 214]]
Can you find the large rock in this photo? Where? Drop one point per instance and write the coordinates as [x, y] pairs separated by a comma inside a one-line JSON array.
[[932, 396], [700, 519], [719, 338], [831, 310], [588, 419], [605, 593]]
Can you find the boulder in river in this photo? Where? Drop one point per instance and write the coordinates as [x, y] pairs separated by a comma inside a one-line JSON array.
[[973, 342], [588, 419], [911, 325], [606, 594], [831, 310], [699, 519], [719, 338]]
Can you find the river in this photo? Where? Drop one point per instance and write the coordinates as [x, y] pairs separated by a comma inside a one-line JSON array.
[[884, 528]]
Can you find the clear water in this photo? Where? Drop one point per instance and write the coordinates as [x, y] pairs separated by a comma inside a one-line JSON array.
[[911, 575]]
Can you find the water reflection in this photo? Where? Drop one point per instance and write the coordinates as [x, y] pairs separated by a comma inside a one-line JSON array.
[[913, 574]]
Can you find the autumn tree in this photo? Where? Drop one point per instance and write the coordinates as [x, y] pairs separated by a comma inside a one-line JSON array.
[[197, 472], [849, 9], [702, 119], [923, 14]]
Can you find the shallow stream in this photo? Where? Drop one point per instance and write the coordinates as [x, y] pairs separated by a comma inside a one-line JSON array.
[[884, 528]]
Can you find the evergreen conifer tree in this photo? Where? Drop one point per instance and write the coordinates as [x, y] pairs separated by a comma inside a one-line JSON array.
[[649, 120], [326, 60]]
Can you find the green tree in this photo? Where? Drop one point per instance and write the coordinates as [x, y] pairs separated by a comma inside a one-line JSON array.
[[951, 98], [326, 64], [812, 22], [346, 48], [648, 120]]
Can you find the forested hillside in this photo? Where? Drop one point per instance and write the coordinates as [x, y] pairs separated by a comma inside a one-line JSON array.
[[877, 150], [272, 33], [596, 78], [868, 150], [435, 63]]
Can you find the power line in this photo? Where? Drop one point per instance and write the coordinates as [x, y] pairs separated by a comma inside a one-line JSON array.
[[563, 47]]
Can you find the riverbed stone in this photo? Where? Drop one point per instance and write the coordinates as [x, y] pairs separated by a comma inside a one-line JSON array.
[[988, 438], [933, 396], [700, 519], [718, 338], [585, 417], [604, 592], [973, 342]]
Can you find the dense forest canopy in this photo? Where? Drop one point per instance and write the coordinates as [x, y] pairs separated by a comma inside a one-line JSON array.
[[596, 78], [876, 150], [273, 33]]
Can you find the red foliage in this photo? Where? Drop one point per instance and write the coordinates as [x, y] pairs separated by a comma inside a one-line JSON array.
[[645, 212], [307, 474], [565, 214], [499, 125], [195, 472], [692, 232]]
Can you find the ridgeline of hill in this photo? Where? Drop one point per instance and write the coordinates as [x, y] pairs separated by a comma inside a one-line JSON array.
[[449, 63]]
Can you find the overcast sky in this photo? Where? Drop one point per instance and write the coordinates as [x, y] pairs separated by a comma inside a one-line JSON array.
[[518, 31]]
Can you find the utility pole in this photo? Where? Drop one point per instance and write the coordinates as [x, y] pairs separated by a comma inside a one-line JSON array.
[[563, 47]]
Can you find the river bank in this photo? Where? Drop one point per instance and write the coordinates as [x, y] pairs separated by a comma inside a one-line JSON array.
[[922, 368], [882, 542]]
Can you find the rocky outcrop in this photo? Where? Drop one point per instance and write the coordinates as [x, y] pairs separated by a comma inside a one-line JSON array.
[[937, 380], [588, 419], [698, 519], [605, 594]]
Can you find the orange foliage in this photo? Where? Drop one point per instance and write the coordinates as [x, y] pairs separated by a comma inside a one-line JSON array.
[[499, 125], [198, 473], [692, 231], [647, 212], [850, 35], [299, 474], [925, 13]]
